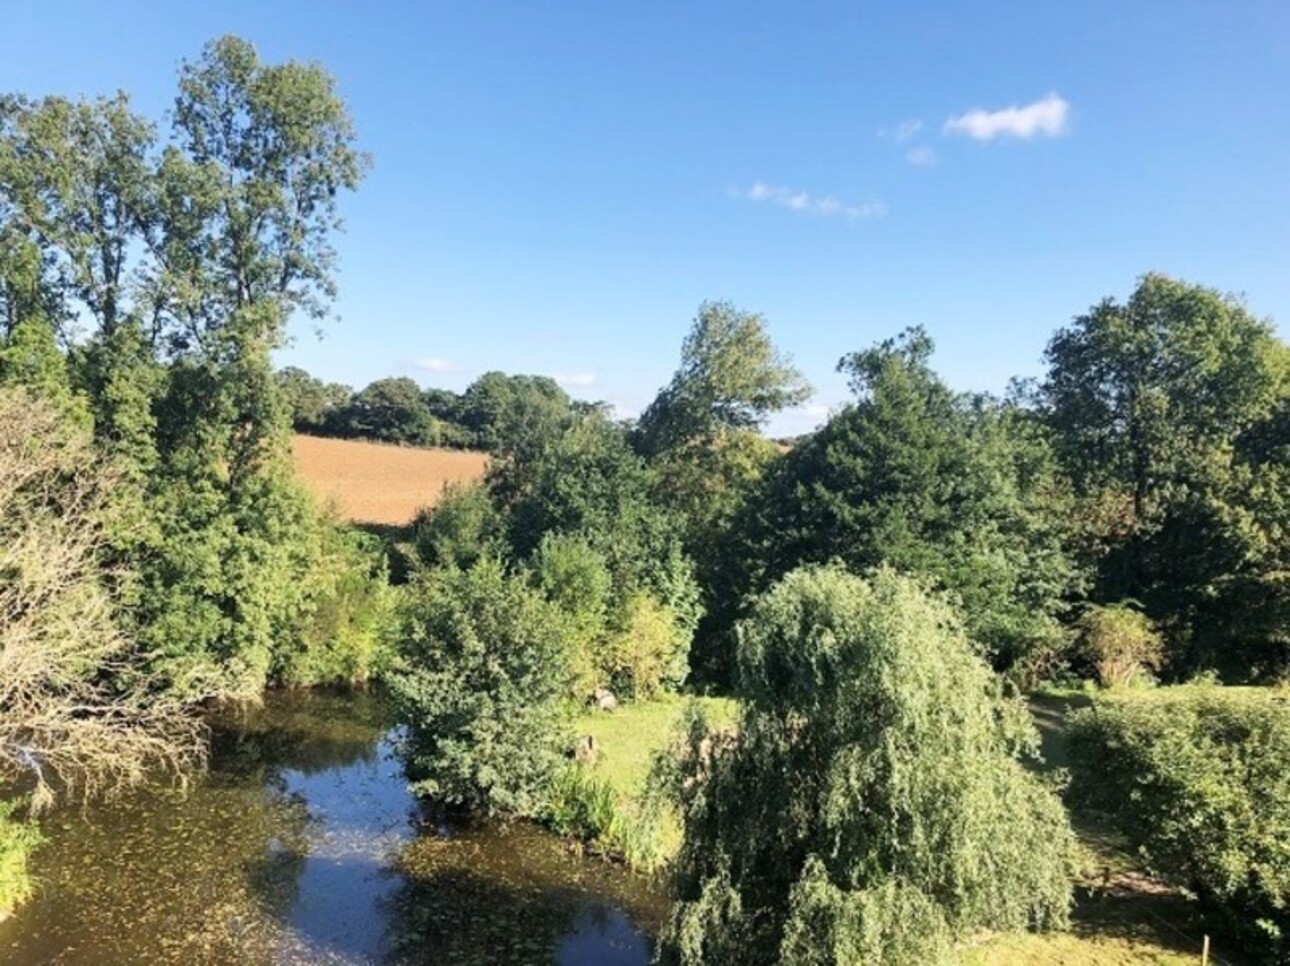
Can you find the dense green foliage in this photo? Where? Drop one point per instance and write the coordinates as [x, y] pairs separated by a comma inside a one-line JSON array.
[[700, 437], [574, 510], [186, 255], [959, 489], [1119, 643], [1129, 513], [464, 526], [484, 689], [731, 378], [871, 806], [1196, 777], [1169, 415]]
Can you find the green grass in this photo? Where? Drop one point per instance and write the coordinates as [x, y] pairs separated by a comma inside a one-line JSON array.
[[606, 805], [629, 737]]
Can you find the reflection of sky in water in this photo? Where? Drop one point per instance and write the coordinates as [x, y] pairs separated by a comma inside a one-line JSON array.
[[360, 817], [602, 935], [286, 853]]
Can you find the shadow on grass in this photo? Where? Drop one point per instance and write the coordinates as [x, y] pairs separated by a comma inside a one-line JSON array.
[[1137, 909]]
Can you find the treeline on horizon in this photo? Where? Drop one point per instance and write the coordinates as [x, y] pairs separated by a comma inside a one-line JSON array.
[[489, 415]]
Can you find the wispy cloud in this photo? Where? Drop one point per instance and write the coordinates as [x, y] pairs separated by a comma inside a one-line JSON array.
[[1046, 117], [907, 129], [433, 364], [921, 157], [903, 131], [576, 380], [803, 201]]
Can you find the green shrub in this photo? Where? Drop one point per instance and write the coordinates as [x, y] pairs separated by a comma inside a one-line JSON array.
[[1120, 643], [483, 689], [871, 807], [346, 634], [18, 839], [648, 653], [574, 576], [1197, 778], [458, 530]]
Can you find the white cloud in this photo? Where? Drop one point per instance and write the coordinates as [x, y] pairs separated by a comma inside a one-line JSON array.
[[921, 157], [1046, 117], [432, 364], [803, 201], [576, 380]]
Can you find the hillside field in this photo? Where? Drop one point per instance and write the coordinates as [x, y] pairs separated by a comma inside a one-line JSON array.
[[379, 483]]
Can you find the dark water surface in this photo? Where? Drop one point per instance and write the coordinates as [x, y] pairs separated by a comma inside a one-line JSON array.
[[302, 845]]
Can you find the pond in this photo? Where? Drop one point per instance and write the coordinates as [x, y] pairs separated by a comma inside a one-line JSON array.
[[301, 844]]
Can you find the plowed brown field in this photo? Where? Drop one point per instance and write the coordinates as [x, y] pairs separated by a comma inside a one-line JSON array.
[[377, 482]]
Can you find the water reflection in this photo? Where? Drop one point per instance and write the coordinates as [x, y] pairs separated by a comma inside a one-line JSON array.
[[303, 845]]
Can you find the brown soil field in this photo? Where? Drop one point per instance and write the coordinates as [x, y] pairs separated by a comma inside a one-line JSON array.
[[378, 482]]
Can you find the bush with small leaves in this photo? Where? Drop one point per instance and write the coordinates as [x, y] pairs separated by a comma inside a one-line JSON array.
[[1196, 777], [483, 689], [1120, 643]]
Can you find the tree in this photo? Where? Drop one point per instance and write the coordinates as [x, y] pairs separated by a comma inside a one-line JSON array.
[[392, 410], [958, 489], [513, 414], [78, 710], [483, 688], [1164, 410], [731, 377], [311, 403], [700, 436], [78, 185], [871, 806], [1141, 395], [586, 481]]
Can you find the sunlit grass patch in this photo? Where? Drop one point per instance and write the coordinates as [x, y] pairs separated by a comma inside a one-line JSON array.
[[607, 803], [629, 737]]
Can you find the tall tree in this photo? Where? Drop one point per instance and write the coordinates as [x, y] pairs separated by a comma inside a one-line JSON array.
[[958, 489], [701, 437], [731, 377], [78, 183], [1143, 394], [870, 807], [1165, 411]]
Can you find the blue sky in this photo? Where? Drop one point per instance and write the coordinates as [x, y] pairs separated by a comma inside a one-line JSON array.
[[557, 186]]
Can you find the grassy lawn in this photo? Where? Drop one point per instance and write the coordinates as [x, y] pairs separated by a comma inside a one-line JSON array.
[[629, 737]]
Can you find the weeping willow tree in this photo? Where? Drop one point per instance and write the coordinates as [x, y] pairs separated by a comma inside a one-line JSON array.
[[872, 807], [76, 714]]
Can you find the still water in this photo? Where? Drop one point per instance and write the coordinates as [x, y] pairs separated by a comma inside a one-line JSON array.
[[302, 845]]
